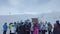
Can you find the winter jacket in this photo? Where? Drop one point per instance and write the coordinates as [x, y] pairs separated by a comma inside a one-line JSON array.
[[5, 27], [56, 29], [43, 28], [49, 27], [13, 29], [39, 26], [28, 26], [35, 30], [10, 26]]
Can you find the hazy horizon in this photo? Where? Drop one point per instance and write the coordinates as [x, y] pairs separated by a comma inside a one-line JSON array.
[[32, 7]]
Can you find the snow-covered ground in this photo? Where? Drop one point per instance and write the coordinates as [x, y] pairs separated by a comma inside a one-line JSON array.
[[12, 18]]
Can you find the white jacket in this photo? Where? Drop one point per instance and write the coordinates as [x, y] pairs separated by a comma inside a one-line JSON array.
[[13, 30], [43, 28]]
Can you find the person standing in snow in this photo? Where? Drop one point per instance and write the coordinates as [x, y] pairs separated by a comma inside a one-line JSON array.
[[35, 29], [5, 27], [44, 29], [10, 26], [31, 29], [15, 25], [27, 26], [49, 28], [56, 29], [13, 29], [41, 27], [18, 28]]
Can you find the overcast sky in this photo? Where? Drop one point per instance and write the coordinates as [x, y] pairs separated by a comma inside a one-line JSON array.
[[28, 6]]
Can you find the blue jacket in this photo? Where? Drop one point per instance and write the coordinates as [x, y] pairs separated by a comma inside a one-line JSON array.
[[5, 27]]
